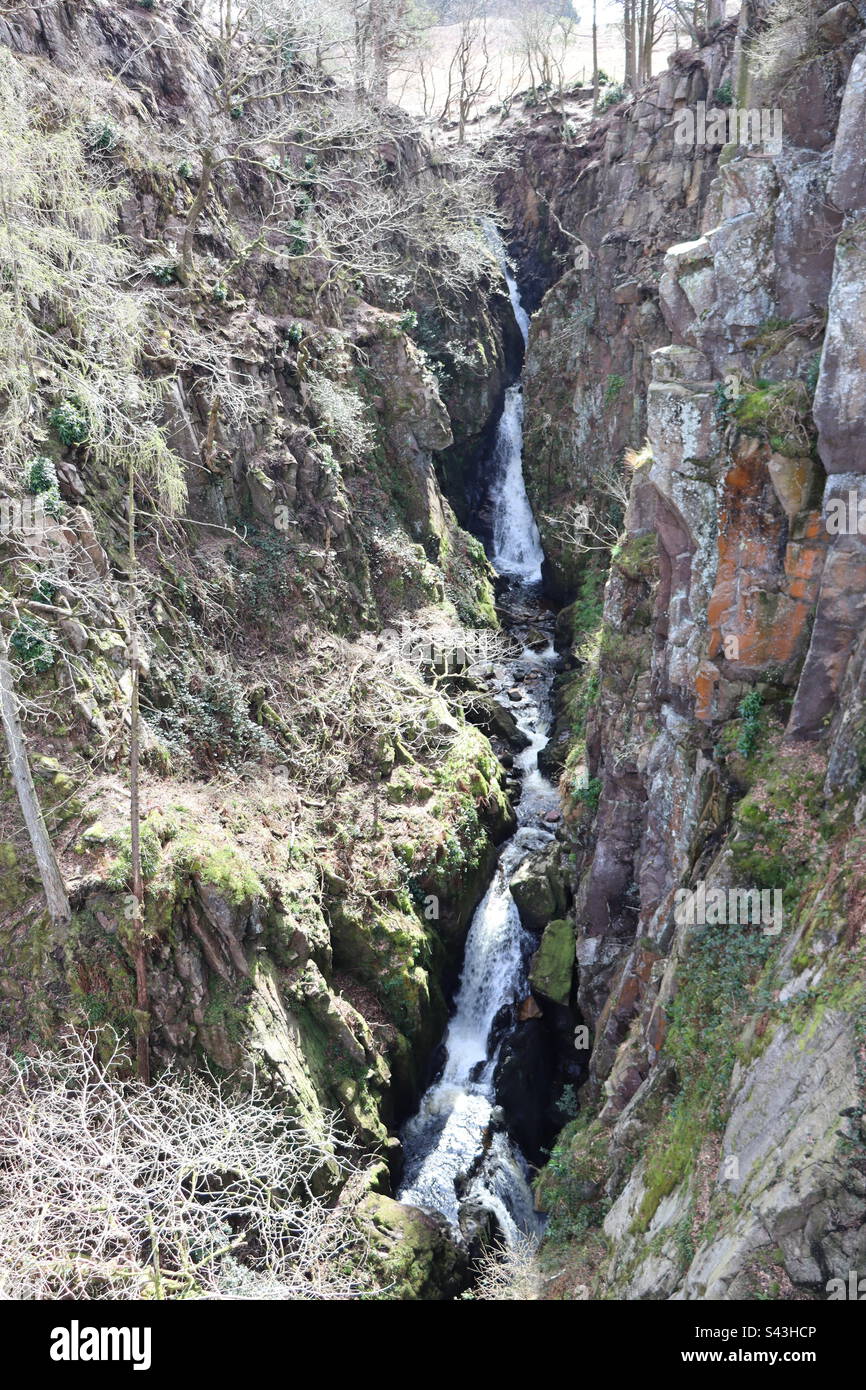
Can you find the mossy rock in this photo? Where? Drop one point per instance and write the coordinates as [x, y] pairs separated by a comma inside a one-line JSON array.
[[538, 890], [553, 963], [413, 1255]]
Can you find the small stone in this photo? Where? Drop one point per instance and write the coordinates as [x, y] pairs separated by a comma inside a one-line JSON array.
[[528, 1009]]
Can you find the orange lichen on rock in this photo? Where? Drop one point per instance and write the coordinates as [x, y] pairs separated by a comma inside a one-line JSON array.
[[769, 570]]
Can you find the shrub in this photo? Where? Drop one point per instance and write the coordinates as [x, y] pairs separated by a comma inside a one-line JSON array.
[[208, 718], [612, 96], [111, 1189], [164, 272], [724, 95], [508, 1273], [103, 137], [590, 794], [29, 643], [69, 423], [297, 238], [342, 413], [41, 475], [40, 478], [749, 711]]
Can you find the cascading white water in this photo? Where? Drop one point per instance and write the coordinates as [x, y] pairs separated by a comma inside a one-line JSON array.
[[516, 550], [458, 1155], [456, 1152], [494, 241]]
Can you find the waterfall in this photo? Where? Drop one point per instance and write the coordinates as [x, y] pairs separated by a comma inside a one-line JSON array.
[[516, 550], [494, 241], [458, 1155]]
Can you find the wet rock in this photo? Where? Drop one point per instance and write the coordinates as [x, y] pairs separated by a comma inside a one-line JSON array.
[[538, 888], [523, 1083], [553, 963], [478, 1227], [413, 1252], [496, 721]]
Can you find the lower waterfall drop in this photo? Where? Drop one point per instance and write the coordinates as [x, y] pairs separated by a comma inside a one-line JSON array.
[[459, 1158]]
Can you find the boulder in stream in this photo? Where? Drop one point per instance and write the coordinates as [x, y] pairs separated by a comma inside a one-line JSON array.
[[538, 888], [552, 966], [495, 720]]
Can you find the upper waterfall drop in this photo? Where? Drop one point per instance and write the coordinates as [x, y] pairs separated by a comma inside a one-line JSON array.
[[516, 550], [495, 242], [516, 547]]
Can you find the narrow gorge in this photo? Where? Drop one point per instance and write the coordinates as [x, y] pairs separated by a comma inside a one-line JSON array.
[[433, 663]]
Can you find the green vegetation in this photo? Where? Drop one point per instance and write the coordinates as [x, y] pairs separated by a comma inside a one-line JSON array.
[[780, 413], [69, 423], [589, 794], [781, 827], [41, 479], [706, 1018], [31, 643], [614, 94], [165, 272], [749, 711], [615, 383], [103, 137], [569, 1187]]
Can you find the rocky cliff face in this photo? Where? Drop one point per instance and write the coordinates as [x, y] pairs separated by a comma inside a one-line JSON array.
[[712, 718], [318, 819]]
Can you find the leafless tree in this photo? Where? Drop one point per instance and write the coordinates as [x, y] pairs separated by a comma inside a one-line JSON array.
[[543, 38], [584, 528], [469, 71], [19, 765], [509, 1273], [190, 1188]]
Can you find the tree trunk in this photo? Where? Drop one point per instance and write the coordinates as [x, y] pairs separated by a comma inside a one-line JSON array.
[[196, 209], [630, 55], [594, 55], [379, 45], [649, 40], [22, 779], [640, 31], [142, 1002]]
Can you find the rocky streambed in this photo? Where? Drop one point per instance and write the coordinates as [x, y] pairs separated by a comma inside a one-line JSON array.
[[490, 1109]]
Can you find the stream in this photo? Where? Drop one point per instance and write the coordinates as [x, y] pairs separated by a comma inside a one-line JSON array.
[[459, 1158]]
